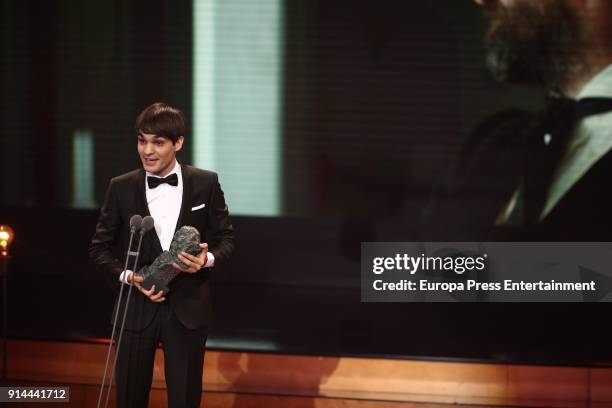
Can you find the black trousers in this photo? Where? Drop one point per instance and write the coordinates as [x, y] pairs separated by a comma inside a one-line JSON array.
[[183, 362]]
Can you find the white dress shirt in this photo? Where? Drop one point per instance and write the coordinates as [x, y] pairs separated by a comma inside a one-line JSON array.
[[164, 202]]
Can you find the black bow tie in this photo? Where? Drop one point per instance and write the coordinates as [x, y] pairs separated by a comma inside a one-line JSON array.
[[156, 181], [561, 114], [592, 106]]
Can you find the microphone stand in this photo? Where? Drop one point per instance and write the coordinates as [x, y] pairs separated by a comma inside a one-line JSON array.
[[127, 303], [110, 345]]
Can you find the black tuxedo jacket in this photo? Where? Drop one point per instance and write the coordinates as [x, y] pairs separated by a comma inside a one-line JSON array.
[[189, 296]]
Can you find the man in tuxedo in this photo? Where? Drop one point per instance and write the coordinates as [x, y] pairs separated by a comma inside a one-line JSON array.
[[174, 195], [543, 172]]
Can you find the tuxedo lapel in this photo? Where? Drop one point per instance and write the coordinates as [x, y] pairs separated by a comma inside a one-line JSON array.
[[141, 195], [187, 197], [150, 240]]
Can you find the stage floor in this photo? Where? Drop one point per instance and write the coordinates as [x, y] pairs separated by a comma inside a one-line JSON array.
[[250, 379]]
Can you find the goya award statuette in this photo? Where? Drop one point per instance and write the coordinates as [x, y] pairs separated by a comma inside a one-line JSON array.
[[161, 272]]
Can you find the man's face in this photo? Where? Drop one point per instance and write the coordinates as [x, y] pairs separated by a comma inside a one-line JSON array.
[[158, 153], [533, 41]]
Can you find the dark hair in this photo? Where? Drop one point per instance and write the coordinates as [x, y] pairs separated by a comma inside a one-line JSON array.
[[161, 119]]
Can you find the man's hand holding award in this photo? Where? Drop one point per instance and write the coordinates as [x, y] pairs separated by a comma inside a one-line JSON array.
[[163, 270]]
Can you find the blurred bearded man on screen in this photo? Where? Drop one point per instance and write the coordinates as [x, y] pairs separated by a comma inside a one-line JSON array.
[[547, 171]]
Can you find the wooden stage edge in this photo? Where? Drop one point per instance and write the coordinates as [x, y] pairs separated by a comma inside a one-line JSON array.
[[277, 380]]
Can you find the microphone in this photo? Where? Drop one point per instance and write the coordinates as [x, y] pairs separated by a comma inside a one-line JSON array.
[[135, 223], [147, 223]]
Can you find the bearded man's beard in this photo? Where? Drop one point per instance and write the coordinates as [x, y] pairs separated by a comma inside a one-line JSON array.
[[535, 42]]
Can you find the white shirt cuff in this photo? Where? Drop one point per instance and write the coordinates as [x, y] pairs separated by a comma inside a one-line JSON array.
[[125, 275], [210, 260]]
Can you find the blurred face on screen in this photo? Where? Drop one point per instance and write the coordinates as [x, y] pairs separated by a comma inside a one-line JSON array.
[[533, 41], [157, 153]]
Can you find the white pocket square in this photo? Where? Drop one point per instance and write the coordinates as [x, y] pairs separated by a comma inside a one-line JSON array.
[[197, 207]]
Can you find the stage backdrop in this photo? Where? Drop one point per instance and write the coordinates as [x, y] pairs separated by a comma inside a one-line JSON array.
[[329, 123]]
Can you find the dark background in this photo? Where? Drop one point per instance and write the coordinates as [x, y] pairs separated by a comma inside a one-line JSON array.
[[378, 96]]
